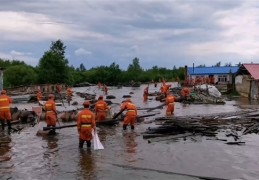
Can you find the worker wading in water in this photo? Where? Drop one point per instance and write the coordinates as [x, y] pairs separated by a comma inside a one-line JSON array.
[[186, 94], [69, 95], [39, 95], [105, 89], [51, 113], [85, 125], [101, 109], [145, 94], [131, 114], [5, 113], [170, 99]]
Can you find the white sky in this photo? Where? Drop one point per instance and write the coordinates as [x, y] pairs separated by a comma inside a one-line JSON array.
[[159, 32]]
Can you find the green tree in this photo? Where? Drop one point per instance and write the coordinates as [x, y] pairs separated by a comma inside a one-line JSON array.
[[18, 75], [53, 66]]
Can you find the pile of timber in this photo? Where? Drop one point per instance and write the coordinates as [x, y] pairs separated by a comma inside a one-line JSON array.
[[233, 124], [198, 96]]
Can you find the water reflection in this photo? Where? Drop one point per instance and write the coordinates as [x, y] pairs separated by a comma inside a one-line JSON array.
[[5, 155], [87, 164], [130, 146], [35, 157]]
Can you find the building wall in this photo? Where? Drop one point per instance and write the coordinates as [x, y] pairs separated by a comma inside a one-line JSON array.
[[242, 83], [216, 76], [254, 89]]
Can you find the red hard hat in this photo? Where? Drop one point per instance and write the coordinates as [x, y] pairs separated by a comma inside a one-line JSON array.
[[3, 92], [100, 97]]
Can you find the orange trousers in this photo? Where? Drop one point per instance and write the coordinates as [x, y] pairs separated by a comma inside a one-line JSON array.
[[5, 115], [102, 115], [86, 133], [51, 119], [170, 109], [130, 119]]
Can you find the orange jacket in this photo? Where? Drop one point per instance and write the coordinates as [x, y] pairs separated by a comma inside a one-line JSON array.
[[169, 99], [131, 108], [39, 96], [69, 92], [59, 88], [50, 106], [86, 117], [185, 92], [101, 105], [145, 91], [5, 102]]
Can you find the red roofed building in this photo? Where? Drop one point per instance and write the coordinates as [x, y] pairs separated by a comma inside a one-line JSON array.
[[247, 80]]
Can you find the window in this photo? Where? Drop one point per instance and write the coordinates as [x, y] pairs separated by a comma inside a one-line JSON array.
[[222, 78]]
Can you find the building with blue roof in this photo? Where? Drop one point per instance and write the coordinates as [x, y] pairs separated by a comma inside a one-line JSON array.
[[220, 75]]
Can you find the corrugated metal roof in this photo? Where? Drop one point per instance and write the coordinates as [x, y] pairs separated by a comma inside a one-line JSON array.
[[253, 69], [212, 70]]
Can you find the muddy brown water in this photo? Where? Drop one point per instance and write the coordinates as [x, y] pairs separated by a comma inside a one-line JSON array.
[[126, 154]]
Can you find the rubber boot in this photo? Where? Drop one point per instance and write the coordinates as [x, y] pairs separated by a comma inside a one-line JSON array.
[[132, 127], [9, 125], [81, 143], [2, 124], [88, 144], [124, 127]]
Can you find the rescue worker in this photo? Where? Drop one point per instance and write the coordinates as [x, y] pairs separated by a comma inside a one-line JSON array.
[[99, 85], [69, 95], [39, 95], [101, 109], [186, 92], [170, 99], [131, 114], [145, 94], [51, 113], [85, 125], [5, 113], [105, 89], [59, 88]]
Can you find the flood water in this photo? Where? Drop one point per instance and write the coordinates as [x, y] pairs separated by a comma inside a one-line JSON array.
[[126, 155]]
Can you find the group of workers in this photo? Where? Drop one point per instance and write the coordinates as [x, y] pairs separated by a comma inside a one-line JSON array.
[[86, 120], [69, 93]]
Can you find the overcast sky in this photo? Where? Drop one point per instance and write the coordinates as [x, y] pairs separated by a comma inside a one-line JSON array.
[[159, 32]]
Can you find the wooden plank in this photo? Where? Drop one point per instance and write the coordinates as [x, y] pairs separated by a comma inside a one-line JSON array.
[[158, 139]]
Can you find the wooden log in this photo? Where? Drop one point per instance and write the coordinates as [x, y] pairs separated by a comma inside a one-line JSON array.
[[235, 143], [117, 115], [157, 107], [146, 136], [158, 139]]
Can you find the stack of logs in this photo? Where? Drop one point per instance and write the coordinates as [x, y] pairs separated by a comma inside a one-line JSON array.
[[234, 124]]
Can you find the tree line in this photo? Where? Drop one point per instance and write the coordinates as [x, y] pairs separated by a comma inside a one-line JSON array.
[[53, 68]]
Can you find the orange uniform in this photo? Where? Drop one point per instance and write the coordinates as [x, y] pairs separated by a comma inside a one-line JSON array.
[[5, 113], [131, 114], [145, 94], [105, 89], [59, 88], [51, 112], [101, 108], [170, 105], [85, 125], [185, 92], [69, 95], [39, 96], [99, 85]]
